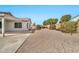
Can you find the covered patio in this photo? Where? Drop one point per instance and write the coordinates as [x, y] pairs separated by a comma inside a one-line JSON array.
[[2, 24], [9, 23], [4, 19]]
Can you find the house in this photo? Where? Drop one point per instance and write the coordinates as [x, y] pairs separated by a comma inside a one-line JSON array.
[[58, 26], [8, 22], [76, 19], [46, 26]]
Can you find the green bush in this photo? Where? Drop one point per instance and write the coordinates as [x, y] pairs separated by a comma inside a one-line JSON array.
[[69, 27], [38, 27], [51, 22], [65, 18]]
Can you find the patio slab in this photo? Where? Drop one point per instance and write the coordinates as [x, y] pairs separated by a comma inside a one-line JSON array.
[[12, 41]]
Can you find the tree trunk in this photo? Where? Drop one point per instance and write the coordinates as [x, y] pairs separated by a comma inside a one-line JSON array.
[[71, 33]]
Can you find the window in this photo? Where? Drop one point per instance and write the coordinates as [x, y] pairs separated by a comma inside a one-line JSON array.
[[18, 25], [0, 24]]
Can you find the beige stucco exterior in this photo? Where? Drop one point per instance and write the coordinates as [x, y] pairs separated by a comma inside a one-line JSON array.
[[47, 26], [78, 27], [11, 27], [58, 26], [76, 19], [11, 20]]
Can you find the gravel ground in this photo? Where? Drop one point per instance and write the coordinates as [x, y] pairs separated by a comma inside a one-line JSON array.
[[50, 41]]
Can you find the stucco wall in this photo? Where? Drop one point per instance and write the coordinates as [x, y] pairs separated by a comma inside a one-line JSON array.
[[0, 21], [78, 27], [10, 26]]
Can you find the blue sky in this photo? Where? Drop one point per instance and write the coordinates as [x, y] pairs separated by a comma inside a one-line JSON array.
[[39, 13]]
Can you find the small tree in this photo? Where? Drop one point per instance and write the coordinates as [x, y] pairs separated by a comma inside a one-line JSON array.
[[45, 22], [51, 22], [63, 21], [65, 18], [70, 27]]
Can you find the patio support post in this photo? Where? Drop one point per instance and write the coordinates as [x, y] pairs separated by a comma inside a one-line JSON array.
[[3, 27]]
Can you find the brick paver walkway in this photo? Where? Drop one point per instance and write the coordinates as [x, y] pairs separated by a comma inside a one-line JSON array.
[[50, 41]]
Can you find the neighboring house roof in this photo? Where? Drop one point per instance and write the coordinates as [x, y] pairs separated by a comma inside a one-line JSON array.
[[10, 17], [76, 18], [8, 13]]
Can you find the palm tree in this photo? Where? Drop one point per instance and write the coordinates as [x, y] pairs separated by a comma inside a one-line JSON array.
[[51, 22]]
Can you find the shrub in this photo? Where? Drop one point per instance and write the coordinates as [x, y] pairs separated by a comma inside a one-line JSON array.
[[69, 27], [51, 22], [38, 27], [65, 18]]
